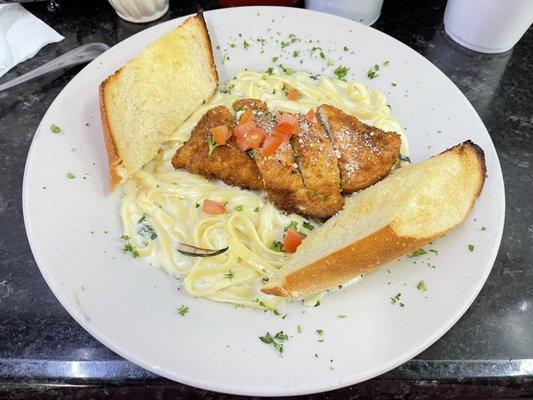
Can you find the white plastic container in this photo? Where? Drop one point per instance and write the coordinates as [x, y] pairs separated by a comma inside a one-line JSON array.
[[488, 26], [364, 11], [140, 11]]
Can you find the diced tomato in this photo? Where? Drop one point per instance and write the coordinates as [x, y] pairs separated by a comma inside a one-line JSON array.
[[311, 116], [221, 134], [246, 116], [286, 127], [242, 129], [293, 239], [270, 145], [213, 207], [251, 139], [293, 94]]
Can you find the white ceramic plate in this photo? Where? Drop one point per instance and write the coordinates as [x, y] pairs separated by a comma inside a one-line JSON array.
[[74, 229]]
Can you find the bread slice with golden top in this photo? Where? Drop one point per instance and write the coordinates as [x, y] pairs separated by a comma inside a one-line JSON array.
[[143, 102], [409, 208]]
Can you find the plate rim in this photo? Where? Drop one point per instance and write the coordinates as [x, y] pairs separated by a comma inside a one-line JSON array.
[[201, 382]]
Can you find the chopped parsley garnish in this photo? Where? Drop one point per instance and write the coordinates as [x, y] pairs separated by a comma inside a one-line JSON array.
[[197, 205], [238, 207], [292, 225], [287, 70], [285, 44], [275, 341], [246, 45], [471, 247], [269, 71], [296, 53], [416, 253], [341, 316], [385, 63], [128, 247], [345, 48], [434, 251], [229, 275], [404, 158], [320, 332], [299, 328], [317, 303], [183, 310], [275, 59], [266, 307], [394, 84], [276, 246], [251, 153], [341, 72], [483, 228], [55, 129], [225, 58], [422, 286], [265, 279], [373, 72], [232, 45], [70, 175], [396, 298], [212, 144], [256, 209], [146, 229], [308, 225]]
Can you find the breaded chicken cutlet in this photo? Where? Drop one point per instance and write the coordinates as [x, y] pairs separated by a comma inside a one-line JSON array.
[[329, 154]]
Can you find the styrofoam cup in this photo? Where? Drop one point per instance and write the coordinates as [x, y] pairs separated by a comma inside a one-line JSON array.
[[364, 11], [488, 26]]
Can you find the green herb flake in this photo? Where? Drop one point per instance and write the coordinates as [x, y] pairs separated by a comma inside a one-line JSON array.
[[317, 303], [308, 226], [256, 209], [183, 310], [471, 247], [296, 53], [238, 207], [55, 129], [269, 71], [483, 228], [197, 205], [341, 72], [299, 328], [128, 247], [287, 70], [345, 48], [341, 316], [276, 246], [275, 341], [371, 74], [422, 286], [320, 332], [293, 225], [416, 253], [275, 59], [386, 63], [212, 144], [395, 298], [229, 275], [265, 279], [70, 175], [146, 229], [246, 45], [394, 84]]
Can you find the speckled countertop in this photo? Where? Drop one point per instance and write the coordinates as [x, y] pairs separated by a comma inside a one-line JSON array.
[[487, 354]]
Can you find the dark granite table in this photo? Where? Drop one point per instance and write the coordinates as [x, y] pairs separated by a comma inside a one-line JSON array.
[[487, 354]]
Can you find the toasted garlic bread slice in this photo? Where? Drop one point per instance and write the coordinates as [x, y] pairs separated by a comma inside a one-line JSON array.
[[143, 102], [406, 210]]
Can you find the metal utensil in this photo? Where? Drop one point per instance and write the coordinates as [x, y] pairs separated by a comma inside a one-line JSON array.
[[79, 55]]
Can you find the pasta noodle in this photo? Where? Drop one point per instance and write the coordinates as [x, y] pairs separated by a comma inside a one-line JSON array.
[[162, 206]]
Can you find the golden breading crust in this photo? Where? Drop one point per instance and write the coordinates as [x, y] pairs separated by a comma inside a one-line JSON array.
[[281, 176], [319, 168], [365, 153], [227, 163]]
